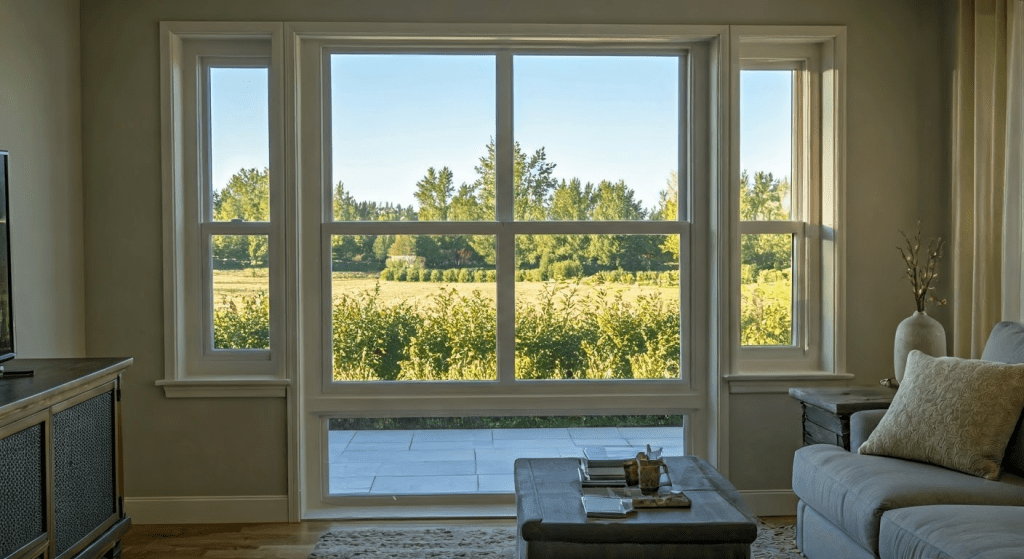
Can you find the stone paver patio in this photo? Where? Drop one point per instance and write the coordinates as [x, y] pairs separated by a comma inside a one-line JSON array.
[[461, 461]]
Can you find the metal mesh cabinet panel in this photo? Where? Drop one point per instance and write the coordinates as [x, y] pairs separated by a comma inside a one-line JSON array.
[[83, 469], [22, 489]]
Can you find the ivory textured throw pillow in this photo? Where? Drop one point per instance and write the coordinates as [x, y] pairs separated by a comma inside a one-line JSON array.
[[956, 413]]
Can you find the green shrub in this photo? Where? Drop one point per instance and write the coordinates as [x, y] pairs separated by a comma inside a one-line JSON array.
[[492, 276], [369, 339], [436, 275], [243, 326], [521, 275], [387, 274], [566, 269], [412, 274], [465, 276], [451, 275], [480, 276]]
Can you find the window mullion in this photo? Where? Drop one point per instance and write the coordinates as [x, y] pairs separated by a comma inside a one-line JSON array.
[[505, 264]]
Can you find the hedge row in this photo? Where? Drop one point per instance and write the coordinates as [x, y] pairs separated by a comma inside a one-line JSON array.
[[555, 272]]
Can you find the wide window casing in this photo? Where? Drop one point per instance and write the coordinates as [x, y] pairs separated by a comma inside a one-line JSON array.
[[812, 66], [302, 226], [203, 121]]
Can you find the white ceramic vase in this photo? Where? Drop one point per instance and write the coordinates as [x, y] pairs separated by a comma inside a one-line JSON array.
[[921, 332]]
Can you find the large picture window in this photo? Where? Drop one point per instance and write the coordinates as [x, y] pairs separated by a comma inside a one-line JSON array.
[[415, 139]]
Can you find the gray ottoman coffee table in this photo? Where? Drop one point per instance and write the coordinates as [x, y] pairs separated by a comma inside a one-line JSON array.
[[551, 522]]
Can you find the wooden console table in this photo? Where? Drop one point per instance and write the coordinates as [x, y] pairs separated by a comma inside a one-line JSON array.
[[61, 483], [827, 411]]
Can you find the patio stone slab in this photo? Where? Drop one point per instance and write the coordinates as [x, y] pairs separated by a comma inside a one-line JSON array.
[[651, 432], [536, 443], [424, 435], [350, 484], [595, 433], [339, 437], [376, 446], [497, 483], [513, 453], [382, 437], [495, 466], [600, 442], [530, 434], [418, 468], [451, 445], [419, 485], [354, 469]]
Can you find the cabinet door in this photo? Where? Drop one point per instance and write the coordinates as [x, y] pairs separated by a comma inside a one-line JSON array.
[[84, 475], [23, 520]]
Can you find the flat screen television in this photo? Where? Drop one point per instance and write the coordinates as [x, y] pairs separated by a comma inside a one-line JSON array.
[[6, 305]]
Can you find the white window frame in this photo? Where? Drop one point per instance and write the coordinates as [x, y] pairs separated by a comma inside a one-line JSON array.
[[322, 398], [817, 58], [193, 367]]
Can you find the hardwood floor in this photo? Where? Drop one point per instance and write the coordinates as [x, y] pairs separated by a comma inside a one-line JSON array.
[[262, 541], [245, 541]]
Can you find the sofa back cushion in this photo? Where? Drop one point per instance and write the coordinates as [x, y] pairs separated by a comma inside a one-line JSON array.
[[1006, 345]]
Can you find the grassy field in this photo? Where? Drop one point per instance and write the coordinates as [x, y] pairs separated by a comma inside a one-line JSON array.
[[231, 285]]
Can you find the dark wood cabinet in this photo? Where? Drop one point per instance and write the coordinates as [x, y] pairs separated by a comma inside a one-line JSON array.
[[61, 485], [827, 411]]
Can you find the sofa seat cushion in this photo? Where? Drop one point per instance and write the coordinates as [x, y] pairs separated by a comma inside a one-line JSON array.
[[854, 490], [952, 532]]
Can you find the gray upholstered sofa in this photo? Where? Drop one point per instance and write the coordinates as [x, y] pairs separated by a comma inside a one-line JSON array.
[[855, 506]]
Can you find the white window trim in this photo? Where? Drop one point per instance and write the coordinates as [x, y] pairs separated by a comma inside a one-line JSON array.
[[819, 211], [305, 49], [191, 369]]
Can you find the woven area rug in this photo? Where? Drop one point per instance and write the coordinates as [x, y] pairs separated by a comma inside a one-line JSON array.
[[774, 541]]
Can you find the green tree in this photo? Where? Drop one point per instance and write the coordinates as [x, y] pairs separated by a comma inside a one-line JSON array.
[[246, 197], [532, 181], [765, 199], [434, 193], [614, 201], [669, 210], [766, 290]]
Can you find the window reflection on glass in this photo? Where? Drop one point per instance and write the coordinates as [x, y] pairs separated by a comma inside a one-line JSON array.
[[766, 290]]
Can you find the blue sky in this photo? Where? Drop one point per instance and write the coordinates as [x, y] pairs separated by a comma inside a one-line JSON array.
[[598, 117]]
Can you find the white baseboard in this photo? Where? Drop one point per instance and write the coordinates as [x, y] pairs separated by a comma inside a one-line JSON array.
[[772, 502], [207, 510]]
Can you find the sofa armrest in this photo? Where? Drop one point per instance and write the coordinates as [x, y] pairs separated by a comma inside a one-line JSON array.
[[862, 423]]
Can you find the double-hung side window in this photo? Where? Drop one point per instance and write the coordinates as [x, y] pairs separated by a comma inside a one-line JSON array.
[[224, 256], [786, 192]]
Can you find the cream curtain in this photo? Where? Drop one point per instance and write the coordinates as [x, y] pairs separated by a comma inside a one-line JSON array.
[[1013, 208], [980, 172]]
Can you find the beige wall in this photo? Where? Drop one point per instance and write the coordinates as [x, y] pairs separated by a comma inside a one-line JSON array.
[[40, 125], [897, 170]]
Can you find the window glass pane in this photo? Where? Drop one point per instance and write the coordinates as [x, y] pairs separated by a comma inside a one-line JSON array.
[[766, 144], [241, 286], [766, 290], [596, 307], [239, 144], [597, 137], [479, 453], [412, 137], [413, 307]]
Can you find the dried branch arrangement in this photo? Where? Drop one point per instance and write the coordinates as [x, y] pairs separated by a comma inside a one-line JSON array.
[[922, 274]]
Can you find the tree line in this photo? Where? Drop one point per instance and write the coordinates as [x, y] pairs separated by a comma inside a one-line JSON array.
[[538, 196]]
